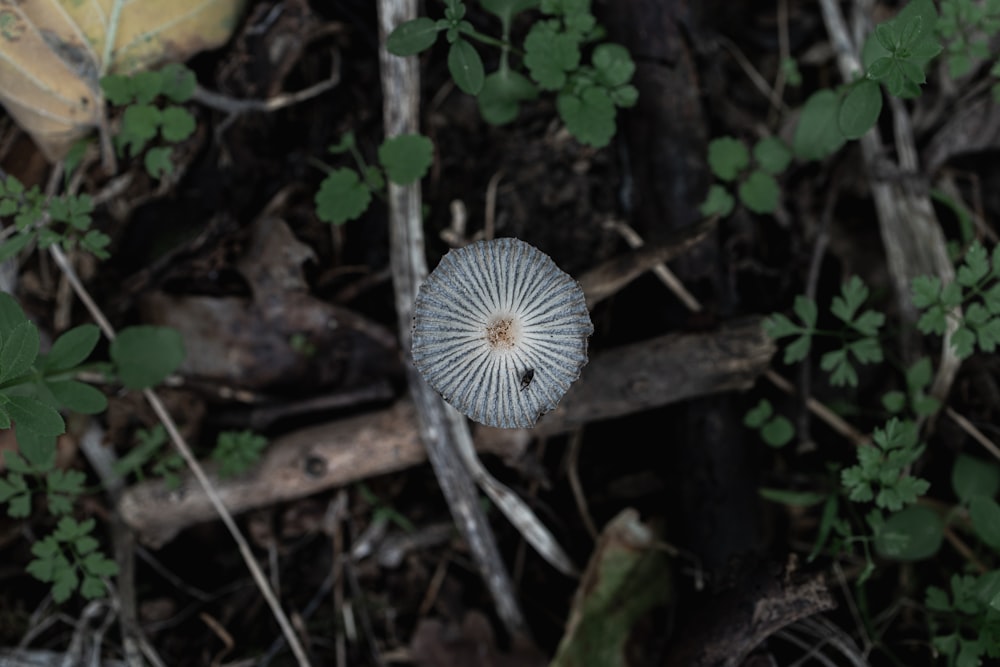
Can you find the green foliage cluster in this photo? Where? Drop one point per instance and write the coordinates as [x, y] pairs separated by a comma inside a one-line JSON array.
[[237, 451], [880, 473], [775, 430], [966, 623], [858, 334], [68, 222], [588, 94], [977, 290], [34, 388], [143, 119], [758, 190], [346, 193], [966, 27]]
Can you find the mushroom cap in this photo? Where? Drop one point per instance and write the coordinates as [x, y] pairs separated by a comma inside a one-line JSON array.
[[500, 332]]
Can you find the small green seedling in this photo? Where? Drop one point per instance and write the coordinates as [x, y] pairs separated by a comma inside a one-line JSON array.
[[977, 290], [69, 559], [880, 473], [587, 95], [346, 193], [858, 334], [143, 120], [68, 222], [237, 451], [775, 430], [758, 188]]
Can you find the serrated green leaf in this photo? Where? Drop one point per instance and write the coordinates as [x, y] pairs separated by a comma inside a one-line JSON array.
[[881, 68], [14, 245], [797, 349], [100, 565], [177, 124], [925, 290], [342, 197], [936, 599], [139, 126], [550, 54], [92, 588], [613, 64], [841, 371], [506, 9], [117, 89], [727, 157], [964, 341], [63, 584], [760, 192], [778, 326], [772, 154], [145, 355], [157, 161], [988, 335], [590, 116], [178, 83], [920, 374], [466, 67], [934, 321], [625, 96], [19, 350], [807, 311], [412, 37], [406, 158], [866, 350]]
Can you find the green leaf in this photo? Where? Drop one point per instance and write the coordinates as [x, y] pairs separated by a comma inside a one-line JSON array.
[[72, 348], [866, 350], [718, 201], [139, 126], [625, 96], [78, 397], [20, 348], [772, 155], [807, 311], [778, 432], [779, 326], [793, 498], [237, 451], [406, 158], [727, 157], [936, 599], [841, 371], [797, 349], [157, 161], [886, 35], [466, 67], [146, 85], [759, 414], [503, 91], [971, 477], [963, 340], [33, 415], [818, 133], [179, 82], [894, 401], [14, 245], [550, 54], [117, 89], [342, 197], [853, 293], [860, 108], [11, 315], [590, 116], [985, 515], [146, 355], [176, 124], [921, 530], [975, 267], [412, 37], [613, 64], [760, 192]]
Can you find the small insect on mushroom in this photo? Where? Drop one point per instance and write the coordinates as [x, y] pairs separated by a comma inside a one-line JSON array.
[[526, 379], [493, 319]]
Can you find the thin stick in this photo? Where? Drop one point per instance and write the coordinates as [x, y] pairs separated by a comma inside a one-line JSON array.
[[199, 473], [974, 432], [661, 270], [832, 419]]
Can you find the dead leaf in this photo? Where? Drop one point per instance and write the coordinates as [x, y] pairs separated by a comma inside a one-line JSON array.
[[53, 53]]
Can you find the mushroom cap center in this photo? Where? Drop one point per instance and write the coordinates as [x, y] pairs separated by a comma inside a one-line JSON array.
[[503, 332]]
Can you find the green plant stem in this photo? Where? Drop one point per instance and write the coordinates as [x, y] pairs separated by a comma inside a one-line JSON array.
[[492, 41]]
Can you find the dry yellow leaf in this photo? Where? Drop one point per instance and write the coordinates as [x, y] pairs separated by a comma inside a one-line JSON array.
[[53, 53]]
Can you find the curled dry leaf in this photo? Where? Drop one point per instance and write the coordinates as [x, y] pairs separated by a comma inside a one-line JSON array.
[[53, 53]]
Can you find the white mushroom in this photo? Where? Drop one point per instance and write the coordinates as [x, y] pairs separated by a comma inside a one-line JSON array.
[[500, 332]]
